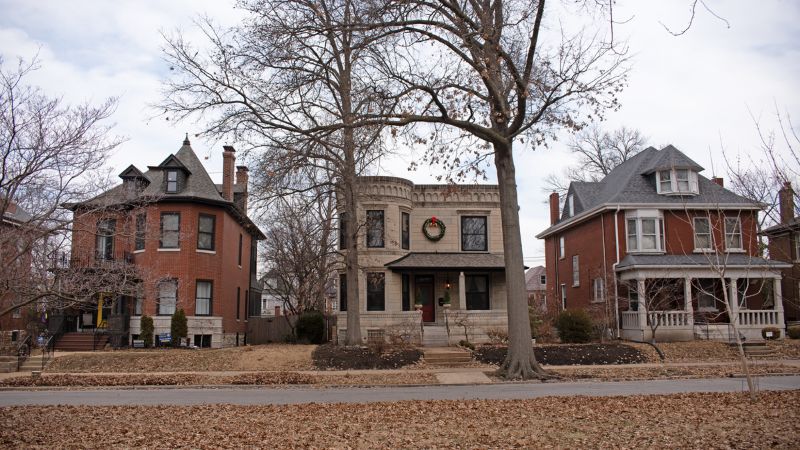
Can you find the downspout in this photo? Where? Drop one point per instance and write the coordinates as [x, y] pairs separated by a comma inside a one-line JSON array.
[[614, 268], [605, 265]]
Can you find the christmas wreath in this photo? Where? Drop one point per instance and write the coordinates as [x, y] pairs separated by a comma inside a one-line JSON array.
[[433, 222]]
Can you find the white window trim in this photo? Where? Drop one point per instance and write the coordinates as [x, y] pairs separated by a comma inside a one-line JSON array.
[[571, 205], [693, 185], [638, 216], [138, 251], [563, 296], [602, 295], [740, 248], [561, 248], [576, 270], [208, 252], [169, 249], [710, 235]]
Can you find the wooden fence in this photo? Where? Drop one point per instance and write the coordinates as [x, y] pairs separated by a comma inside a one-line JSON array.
[[264, 330]]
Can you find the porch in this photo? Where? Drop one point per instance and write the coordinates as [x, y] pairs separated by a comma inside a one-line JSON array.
[[686, 302]]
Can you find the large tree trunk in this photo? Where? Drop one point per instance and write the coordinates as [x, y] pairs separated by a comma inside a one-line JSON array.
[[520, 363]]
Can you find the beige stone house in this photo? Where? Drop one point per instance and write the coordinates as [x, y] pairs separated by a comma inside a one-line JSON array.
[[420, 245]]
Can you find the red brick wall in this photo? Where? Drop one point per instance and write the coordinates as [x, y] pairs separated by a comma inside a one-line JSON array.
[[587, 239], [186, 265], [781, 247]]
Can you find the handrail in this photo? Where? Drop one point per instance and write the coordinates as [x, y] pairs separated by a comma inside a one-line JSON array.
[[23, 350], [48, 350]]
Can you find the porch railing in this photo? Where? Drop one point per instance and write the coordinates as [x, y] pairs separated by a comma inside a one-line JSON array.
[[758, 317], [670, 319], [630, 320]]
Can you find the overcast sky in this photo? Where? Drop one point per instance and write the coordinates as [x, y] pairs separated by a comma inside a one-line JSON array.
[[696, 91]]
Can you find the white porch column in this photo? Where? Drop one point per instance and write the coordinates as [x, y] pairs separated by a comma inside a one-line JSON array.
[[779, 302], [733, 299], [641, 291], [687, 296], [462, 291]]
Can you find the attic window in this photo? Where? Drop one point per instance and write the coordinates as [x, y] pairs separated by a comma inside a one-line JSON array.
[[172, 181], [676, 182], [571, 205]]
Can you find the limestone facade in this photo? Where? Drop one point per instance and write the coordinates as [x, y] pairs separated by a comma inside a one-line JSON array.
[[455, 263]]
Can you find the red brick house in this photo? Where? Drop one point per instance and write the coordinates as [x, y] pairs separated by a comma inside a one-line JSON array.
[[16, 267], [649, 247], [784, 245], [191, 241]]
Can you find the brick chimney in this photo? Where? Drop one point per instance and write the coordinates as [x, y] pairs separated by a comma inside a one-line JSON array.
[[11, 208], [228, 160], [241, 180], [553, 208], [719, 181], [786, 199]]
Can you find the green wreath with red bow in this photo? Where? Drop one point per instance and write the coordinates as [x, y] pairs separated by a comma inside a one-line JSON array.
[[433, 222]]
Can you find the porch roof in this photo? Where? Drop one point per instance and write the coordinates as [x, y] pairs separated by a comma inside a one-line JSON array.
[[700, 260], [448, 261]]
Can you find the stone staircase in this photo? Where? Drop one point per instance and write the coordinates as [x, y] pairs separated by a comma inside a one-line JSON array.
[[33, 363], [81, 342], [8, 364], [757, 350], [434, 336], [447, 356]]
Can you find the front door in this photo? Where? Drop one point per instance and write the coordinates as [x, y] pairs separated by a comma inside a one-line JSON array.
[[424, 293]]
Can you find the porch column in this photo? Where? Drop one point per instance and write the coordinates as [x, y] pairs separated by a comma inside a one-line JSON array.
[[779, 302], [733, 299], [687, 296], [640, 290], [462, 291]]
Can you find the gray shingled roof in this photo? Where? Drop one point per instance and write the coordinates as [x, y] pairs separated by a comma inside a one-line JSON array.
[[533, 279], [633, 183], [792, 225], [198, 187], [19, 215], [448, 261], [699, 260]]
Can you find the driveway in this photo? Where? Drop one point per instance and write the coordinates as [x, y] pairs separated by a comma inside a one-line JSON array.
[[294, 395]]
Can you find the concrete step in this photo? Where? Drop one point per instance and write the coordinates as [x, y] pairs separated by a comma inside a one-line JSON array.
[[8, 366], [33, 363], [447, 356]]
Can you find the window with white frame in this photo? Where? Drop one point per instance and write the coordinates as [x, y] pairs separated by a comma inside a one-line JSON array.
[[576, 271], [598, 290], [733, 233], [703, 239], [561, 253], [645, 232], [563, 296], [676, 182], [172, 181]]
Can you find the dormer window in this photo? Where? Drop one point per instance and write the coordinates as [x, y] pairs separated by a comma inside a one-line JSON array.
[[570, 205], [676, 182], [172, 181]]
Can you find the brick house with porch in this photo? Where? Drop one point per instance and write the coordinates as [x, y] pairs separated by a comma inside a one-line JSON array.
[[190, 239], [784, 245], [653, 245], [420, 244]]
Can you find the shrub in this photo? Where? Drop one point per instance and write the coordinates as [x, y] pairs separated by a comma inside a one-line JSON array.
[[178, 328], [497, 336], [574, 326], [147, 329], [311, 327], [793, 332], [466, 344], [776, 333]]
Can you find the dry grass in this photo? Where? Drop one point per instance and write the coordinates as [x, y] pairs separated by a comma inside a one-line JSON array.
[[257, 357], [667, 421], [709, 351]]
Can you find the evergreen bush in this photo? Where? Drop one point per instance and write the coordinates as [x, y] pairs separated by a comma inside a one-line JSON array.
[[147, 329], [178, 328], [311, 327], [793, 332], [574, 327]]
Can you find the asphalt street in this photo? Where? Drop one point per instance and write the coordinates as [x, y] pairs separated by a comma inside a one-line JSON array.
[[294, 395]]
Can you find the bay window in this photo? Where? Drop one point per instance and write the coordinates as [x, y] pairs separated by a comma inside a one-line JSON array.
[[645, 232]]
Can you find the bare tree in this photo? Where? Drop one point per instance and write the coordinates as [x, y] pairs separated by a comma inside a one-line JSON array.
[[598, 152], [291, 83], [762, 172], [485, 71], [299, 251], [52, 154]]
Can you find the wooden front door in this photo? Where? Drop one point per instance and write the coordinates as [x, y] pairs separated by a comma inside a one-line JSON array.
[[424, 292]]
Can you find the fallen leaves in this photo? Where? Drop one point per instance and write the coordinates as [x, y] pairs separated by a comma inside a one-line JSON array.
[[683, 421]]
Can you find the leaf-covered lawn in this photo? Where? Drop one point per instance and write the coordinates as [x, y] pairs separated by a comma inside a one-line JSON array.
[[674, 421], [257, 357]]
